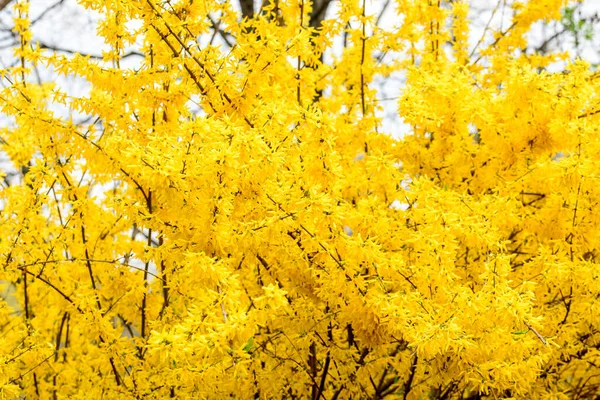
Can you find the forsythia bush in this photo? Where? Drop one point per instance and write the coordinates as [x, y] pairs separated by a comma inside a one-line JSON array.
[[231, 220]]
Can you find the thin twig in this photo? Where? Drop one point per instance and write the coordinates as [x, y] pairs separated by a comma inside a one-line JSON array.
[[532, 329]]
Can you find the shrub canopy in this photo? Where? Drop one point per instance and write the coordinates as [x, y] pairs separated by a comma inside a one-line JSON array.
[[227, 217]]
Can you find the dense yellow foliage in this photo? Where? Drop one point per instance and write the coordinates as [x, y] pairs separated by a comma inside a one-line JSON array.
[[226, 221]]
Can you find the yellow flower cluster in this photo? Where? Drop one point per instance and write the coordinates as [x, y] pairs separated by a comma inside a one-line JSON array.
[[230, 221]]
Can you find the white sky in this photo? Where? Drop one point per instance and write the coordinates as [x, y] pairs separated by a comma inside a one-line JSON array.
[[67, 25]]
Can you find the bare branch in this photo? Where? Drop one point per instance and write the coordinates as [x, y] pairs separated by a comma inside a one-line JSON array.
[[4, 3]]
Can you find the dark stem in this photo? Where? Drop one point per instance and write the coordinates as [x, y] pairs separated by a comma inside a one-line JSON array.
[[146, 268], [411, 377], [324, 375], [312, 363]]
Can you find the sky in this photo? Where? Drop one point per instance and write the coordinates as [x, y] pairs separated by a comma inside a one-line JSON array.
[[63, 24]]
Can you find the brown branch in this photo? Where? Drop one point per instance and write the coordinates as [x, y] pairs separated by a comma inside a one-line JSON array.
[[324, 374], [84, 241], [411, 377], [56, 289], [532, 329], [588, 114], [26, 298], [56, 348], [165, 285], [299, 61], [383, 385], [21, 376], [502, 34], [318, 13], [221, 32], [193, 57], [146, 267], [363, 39], [28, 323], [47, 46], [247, 7], [59, 335], [4, 4], [312, 363], [66, 297], [89, 265]]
